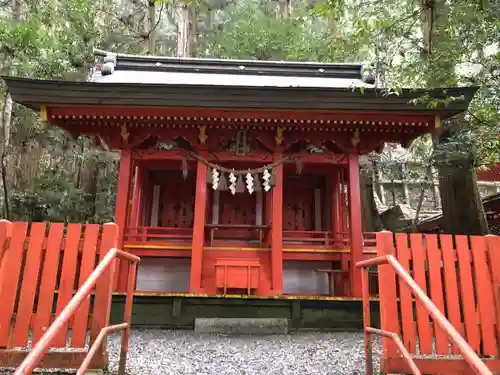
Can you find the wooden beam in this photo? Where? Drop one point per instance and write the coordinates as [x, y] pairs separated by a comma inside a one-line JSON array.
[[122, 211], [136, 192], [277, 229], [355, 223], [198, 228], [257, 157], [276, 117], [335, 209]]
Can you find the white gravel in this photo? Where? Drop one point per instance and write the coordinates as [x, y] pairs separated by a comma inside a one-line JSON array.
[[164, 352], [188, 353]]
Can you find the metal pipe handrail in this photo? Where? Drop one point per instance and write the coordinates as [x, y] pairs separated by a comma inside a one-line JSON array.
[[404, 352], [467, 352], [97, 343], [36, 354]]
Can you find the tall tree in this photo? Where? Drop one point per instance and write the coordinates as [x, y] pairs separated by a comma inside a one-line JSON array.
[[186, 28], [428, 43]]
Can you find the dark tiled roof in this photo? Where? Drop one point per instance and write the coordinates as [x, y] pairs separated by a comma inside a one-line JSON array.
[[228, 66], [121, 68]]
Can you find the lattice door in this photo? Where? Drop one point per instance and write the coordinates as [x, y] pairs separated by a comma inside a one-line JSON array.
[[177, 203], [237, 209], [298, 207]]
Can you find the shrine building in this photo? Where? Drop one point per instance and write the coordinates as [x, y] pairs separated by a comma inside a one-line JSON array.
[[238, 177]]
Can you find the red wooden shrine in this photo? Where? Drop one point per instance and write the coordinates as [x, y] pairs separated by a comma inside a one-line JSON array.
[[175, 121]]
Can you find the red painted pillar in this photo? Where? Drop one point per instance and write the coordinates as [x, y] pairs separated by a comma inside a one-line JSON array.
[[355, 228], [147, 200], [140, 199], [198, 228], [134, 207], [121, 213], [277, 229], [336, 209]]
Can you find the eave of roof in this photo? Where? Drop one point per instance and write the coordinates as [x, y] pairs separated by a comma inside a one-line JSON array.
[[34, 93]]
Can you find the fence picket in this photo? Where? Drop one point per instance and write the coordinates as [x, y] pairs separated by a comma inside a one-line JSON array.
[[467, 292], [423, 320], [81, 319], [436, 292], [388, 293], [451, 285], [484, 295], [493, 243], [104, 287], [29, 283], [67, 280], [48, 284], [12, 264], [406, 300]]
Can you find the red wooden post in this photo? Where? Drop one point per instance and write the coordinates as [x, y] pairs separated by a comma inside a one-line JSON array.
[[336, 202], [147, 200], [355, 224], [198, 227], [121, 213], [389, 318], [140, 198], [134, 207], [277, 229], [493, 253], [5, 235]]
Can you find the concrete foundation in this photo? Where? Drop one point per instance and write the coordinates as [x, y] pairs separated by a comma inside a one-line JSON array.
[[181, 312], [261, 326]]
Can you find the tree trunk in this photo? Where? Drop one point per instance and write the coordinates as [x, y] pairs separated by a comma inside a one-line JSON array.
[[463, 211], [150, 24], [370, 216], [6, 124], [186, 30], [17, 7], [427, 20], [284, 9]]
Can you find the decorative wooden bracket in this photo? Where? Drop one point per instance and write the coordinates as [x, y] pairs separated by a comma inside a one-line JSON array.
[[437, 122], [43, 113], [124, 133], [279, 135], [202, 136], [355, 139]]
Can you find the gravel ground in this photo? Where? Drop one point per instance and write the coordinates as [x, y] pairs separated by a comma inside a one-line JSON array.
[[167, 352], [188, 353]]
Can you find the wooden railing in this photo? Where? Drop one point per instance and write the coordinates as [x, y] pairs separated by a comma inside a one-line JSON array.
[[237, 232], [143, 234], [106, 265], [467, 352], [303, 236]]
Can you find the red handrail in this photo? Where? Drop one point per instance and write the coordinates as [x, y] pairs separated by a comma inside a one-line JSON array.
[[394, 337], [35, 356], [467, 352]]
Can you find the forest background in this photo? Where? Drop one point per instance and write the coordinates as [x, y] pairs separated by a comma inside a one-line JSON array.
[[46, 175]]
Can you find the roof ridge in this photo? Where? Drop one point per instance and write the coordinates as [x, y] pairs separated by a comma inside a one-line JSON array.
[[116, 61]]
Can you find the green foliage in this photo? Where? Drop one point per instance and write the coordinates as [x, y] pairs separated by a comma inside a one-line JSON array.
[[461, 31], [249, 30]]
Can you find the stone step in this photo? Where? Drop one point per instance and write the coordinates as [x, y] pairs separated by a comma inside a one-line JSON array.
[[256, 326]]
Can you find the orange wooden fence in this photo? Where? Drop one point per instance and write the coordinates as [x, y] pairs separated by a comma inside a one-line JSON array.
[[41, 268], [462, 277]]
